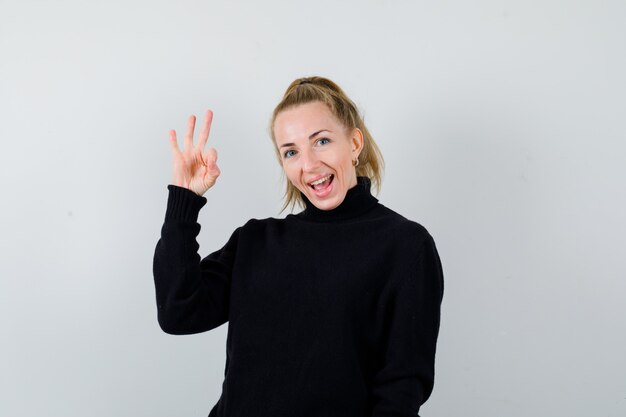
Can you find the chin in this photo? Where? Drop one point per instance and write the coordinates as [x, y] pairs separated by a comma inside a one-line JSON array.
[[326, 204]]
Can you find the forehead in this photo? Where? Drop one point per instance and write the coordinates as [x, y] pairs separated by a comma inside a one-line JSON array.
[[300, 121]]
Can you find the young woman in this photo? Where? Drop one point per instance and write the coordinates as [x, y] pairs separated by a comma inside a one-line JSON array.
[[333, 311]]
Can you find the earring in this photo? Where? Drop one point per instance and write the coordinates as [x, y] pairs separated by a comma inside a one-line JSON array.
[[355, 162]]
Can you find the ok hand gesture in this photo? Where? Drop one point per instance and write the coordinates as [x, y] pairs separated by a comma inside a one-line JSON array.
[[193, 168]]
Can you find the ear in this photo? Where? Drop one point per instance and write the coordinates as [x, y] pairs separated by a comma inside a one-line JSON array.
[[356, 141]]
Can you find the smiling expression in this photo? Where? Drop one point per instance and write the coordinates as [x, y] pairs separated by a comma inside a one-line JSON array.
[[316, 151]]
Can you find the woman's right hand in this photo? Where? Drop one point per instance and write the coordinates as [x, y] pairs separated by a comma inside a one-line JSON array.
[[193, 168]]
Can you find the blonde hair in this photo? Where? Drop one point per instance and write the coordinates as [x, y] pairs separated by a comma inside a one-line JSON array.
[[319, 89]]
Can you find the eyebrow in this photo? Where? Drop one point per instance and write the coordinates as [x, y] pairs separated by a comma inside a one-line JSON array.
[[310, 137]]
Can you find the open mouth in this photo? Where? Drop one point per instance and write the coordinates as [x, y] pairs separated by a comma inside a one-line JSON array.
[[322, 183]]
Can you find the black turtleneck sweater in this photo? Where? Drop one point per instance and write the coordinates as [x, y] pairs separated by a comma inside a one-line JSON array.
[[330, 313]]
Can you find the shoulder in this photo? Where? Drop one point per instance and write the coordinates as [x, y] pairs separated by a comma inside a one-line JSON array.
[[255, 231], [255, 225], [404, 228], [415, 246]]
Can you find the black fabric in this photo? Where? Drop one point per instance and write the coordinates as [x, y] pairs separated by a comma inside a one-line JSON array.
[[330, 313]]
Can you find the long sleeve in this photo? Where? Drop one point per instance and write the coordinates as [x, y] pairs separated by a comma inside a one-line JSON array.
[[405, 378], [192, 295]]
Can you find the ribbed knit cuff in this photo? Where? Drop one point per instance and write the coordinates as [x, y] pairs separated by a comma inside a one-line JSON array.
[[183, 204]]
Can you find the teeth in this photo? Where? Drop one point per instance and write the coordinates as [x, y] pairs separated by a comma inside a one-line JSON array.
[[321, 180]]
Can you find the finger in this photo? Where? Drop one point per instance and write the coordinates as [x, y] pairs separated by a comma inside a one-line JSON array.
[[191, 124], [173, 141], [210, 157], [211, 164], [206, 128]]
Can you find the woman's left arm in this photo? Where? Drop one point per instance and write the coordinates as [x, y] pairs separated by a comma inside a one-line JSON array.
[[405, 378]]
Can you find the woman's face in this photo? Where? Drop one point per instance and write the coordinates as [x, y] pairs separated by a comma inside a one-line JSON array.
[[317, 153]]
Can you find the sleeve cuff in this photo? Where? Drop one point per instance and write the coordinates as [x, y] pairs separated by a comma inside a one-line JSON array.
[[183, 204]]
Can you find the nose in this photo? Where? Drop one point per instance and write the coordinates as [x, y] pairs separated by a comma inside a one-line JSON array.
[[310, 161]]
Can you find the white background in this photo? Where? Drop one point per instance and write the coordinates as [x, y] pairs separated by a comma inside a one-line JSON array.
[[501, 123]]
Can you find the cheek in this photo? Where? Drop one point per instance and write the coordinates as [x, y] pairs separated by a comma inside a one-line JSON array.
[[291, 173], [345, 160]]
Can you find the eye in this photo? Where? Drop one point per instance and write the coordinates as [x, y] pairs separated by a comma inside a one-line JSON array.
[[289, 154], [320, 141]]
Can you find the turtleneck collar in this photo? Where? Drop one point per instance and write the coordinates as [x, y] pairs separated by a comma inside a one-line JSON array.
[[358, 200]]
